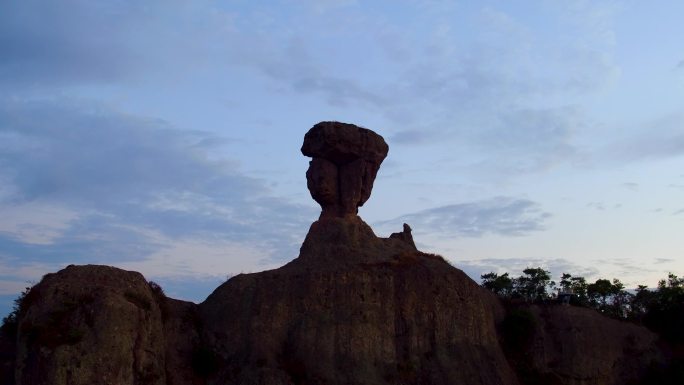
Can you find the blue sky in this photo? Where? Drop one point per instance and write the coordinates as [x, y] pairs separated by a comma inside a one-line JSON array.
[[164, 136]]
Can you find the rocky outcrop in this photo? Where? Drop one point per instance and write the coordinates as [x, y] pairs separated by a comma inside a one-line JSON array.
[[187, 360], [578, 346], [352, 308], [91, 325], [102, 325], [404, 235], [346, 159], [393, 316]]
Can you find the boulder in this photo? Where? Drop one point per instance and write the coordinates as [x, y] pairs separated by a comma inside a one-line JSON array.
[[346, 159], [578, 346], [91, 325]]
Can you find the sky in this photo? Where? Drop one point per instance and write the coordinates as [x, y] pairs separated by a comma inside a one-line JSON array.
[[164, 136]]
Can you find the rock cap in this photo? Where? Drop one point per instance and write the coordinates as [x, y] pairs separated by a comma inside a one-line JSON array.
[[346, 160], [343, 143]]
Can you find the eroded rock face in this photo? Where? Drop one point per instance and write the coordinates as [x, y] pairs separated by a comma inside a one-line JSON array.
[[404, 236], [386, 318], [346, 159], [578, 346], [91, 325], [102, 325], [354, 308]]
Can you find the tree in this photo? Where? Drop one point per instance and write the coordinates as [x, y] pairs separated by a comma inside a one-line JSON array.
[[532, 285], [501, 285], [620, 300], [566, 283], [641, 301], [598, 293], [11, 321], [579, 287], [670, 290], [665, 310], [662, 310], [610, 297]]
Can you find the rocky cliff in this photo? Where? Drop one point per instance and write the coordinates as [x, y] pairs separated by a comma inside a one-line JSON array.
[[568, 345], [579, 346], [91, 325], [352, 308], [384, 314]]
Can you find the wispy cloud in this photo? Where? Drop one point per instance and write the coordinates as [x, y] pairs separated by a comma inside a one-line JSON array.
[[597, 205], [90, 185], [501, 216], [412, 137], [326, 6], [74, 42], [471, 91], [16, 274], [626, 267], [471, 94], [631, 272], [515, 266], [661, 138]]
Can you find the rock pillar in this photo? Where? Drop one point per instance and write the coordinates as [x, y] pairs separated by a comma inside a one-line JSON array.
[[346, 159]]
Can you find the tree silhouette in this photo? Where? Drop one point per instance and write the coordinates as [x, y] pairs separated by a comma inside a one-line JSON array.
[[501, 285], [598, 292], [533, 283]]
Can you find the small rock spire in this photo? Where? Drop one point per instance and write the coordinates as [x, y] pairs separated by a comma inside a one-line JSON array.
[[405, 236]]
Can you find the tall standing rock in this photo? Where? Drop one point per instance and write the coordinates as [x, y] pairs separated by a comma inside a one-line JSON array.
[[354, 308], [346, 159]]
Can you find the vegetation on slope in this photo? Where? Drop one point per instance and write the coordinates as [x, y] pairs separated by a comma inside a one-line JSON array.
[[660, 309]]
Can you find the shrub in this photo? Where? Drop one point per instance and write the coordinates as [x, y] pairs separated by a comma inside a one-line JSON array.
[[11, 321], [157, 290]]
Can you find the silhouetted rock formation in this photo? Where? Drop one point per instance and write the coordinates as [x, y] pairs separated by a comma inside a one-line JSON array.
[[102, 325], [405, 235], [352, 308], [91, 325], [346, 159], [409, 318]]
